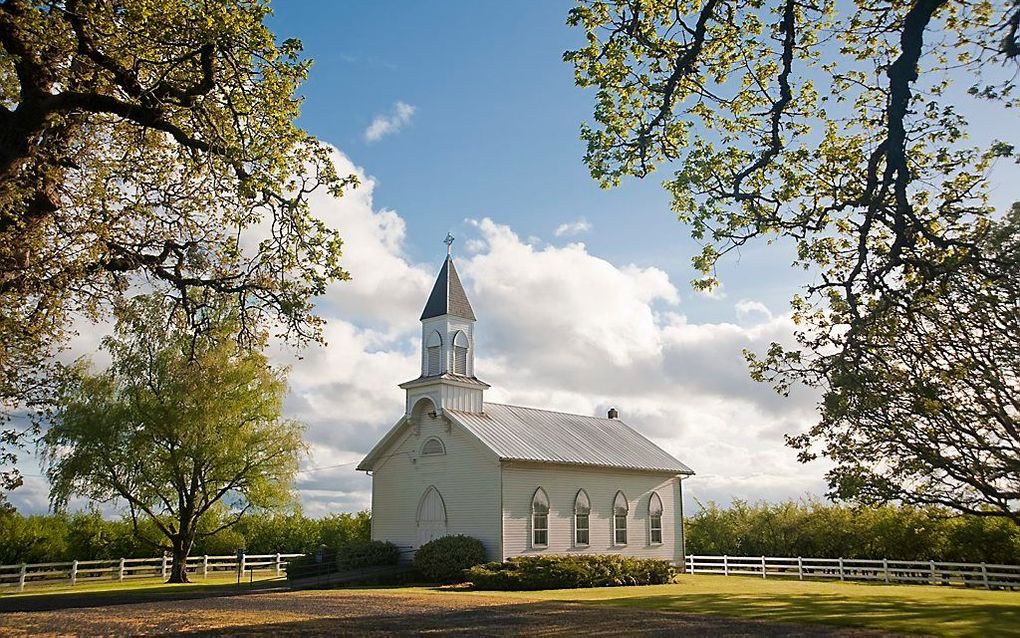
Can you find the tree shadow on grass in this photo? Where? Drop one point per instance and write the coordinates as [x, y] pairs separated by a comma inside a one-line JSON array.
[[882, 612], [541, 618]]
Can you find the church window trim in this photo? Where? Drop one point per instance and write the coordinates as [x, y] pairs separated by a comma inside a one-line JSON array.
[[434, 354], [433, 446], [582, 519], [620, 510], [539, 519], [424, 499], [460, 353], [654, 519]]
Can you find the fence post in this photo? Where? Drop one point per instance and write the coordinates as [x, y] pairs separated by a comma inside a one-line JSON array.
[[162, 567], [984, 575], [800, 568], [726, 565], [205, 566], [120, 570], [74, 573], [842, 576], [691, 558], [21, 577], [763, 567], [278, 567], [243, 560], [931, 565], [885, 568]]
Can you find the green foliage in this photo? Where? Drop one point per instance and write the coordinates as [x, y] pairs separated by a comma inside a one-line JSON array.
[[824, 530], [443, 560], [523, 573], [367, 554], [307, 566], [151, 142], [835, 127], [180, 426], [88, 536]]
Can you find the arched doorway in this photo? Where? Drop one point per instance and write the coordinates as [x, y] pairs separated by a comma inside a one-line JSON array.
[[431, 516]]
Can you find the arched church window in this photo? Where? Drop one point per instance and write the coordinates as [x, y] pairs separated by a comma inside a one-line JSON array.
[[434, 354], [540, 519], [655, 519], [620, 509], [433, 447], [582, 514], [460, 353]]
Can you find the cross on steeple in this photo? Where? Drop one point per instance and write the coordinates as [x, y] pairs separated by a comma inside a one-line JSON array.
[[449, 243]]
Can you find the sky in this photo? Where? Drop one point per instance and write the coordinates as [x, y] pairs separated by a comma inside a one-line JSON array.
[[461, 117]]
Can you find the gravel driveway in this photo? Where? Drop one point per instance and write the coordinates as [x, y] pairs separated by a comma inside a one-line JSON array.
[[382, 613]]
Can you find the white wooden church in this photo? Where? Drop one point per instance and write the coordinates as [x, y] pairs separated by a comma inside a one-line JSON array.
[[521, 480]]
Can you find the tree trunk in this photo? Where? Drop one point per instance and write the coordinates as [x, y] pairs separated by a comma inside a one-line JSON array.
[[179, 568]]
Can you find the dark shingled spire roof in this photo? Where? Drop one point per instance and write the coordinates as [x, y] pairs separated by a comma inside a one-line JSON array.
[[448, 297]]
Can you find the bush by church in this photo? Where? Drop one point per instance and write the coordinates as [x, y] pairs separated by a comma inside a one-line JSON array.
[[444, 560], [526, 573]]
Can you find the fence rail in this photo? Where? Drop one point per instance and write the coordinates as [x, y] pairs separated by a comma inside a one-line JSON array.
[[18, 577], [987, 575]]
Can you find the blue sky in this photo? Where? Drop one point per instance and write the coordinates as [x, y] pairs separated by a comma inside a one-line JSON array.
[[494, 133], [476, 122]]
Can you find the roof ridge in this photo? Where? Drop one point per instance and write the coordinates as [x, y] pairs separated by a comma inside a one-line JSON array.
[[528, 407]]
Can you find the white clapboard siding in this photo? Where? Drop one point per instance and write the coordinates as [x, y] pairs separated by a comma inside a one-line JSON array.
[[562, 482], [466, 478]]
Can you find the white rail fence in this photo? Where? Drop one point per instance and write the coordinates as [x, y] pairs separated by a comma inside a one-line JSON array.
[[986, 575], [17, 577]]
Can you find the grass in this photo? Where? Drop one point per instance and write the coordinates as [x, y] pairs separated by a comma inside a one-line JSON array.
[[947, 611], [156, 586]]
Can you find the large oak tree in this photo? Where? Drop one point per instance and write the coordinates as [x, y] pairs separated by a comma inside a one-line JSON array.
[[837, 126], [150, 142]]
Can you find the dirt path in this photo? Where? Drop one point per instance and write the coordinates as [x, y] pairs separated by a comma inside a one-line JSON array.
[[383, 614]]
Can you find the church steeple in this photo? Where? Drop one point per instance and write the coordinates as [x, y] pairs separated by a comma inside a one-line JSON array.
[[448, 296], [447, 347]]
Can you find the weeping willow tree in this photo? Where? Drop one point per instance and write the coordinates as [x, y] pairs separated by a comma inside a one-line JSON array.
[[183, 428]]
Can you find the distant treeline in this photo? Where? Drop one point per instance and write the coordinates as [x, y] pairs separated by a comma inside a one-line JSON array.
[[88, 536], [825, 530], [792, 528]]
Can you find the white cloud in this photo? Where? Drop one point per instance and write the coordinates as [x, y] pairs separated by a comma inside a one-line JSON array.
[[576, 227], [558, 327], [383, 125]]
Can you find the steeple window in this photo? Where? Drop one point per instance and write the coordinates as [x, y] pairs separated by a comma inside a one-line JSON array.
[[434, 354], [460, 353]]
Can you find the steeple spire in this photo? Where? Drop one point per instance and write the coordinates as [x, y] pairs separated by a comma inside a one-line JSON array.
[[448, 296]]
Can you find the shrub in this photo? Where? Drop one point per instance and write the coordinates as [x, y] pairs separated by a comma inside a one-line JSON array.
[[444, 559], [570, 572], [367, 554], [307, 567]]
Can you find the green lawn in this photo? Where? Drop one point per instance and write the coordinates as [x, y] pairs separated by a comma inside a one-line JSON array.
[[155, 586], [947, 611]]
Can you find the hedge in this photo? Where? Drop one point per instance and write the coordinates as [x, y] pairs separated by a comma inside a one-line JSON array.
[[570, 572], [306, 566], [367, 554], [444, 560]]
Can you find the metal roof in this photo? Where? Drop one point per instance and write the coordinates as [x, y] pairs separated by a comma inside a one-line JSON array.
[[448, 296], [528, 434]]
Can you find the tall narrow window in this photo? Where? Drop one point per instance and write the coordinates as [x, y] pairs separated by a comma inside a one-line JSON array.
[[434, 354], [540, 519], [655, 519], [460, 353], [620, 509], [582, 512]]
